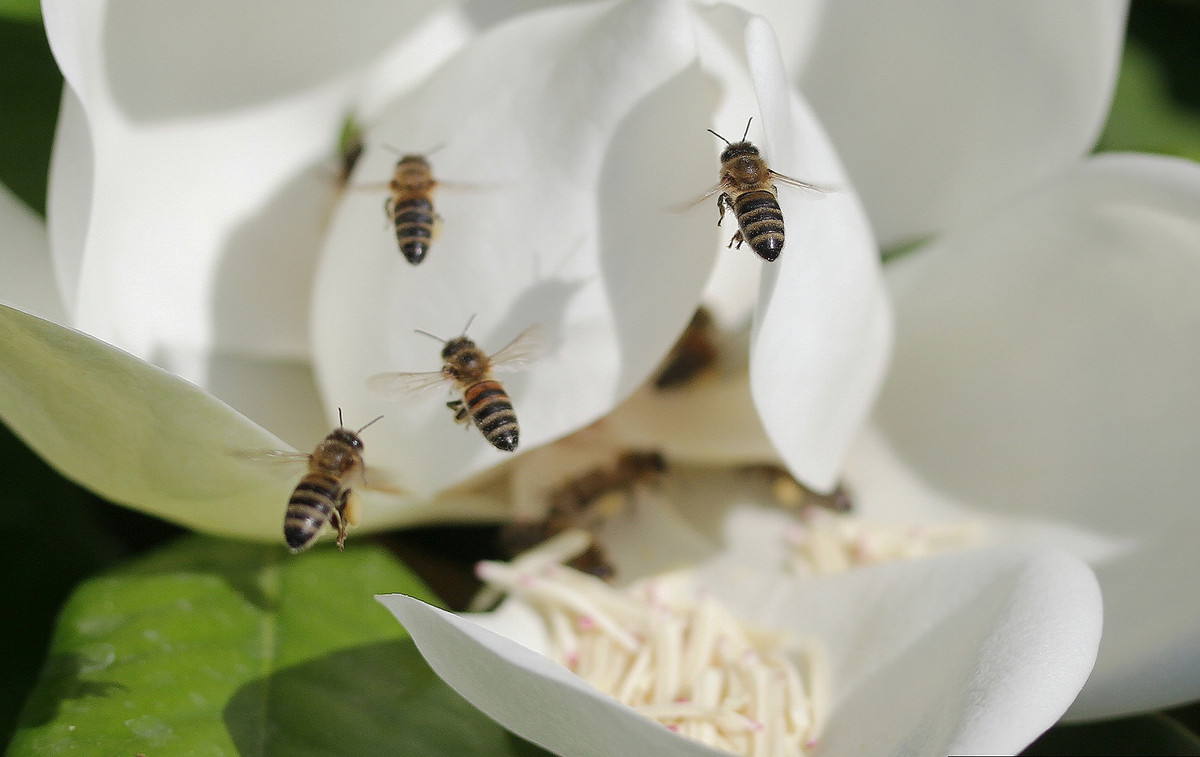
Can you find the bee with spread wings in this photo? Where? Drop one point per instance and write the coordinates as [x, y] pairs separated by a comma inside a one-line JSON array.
[[324, 496], [747, 187], [468, 369]]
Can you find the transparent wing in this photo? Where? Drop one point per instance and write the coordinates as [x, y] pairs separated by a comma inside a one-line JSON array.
[[521, 352], [403, 386], [687, 205], [274, 456], [783, 179], [379, 480], [281, 463]]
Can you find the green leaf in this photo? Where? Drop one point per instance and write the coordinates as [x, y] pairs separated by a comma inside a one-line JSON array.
[[1144, 116], [225, 648], [21, 10], [136, 434], [1155, 733]]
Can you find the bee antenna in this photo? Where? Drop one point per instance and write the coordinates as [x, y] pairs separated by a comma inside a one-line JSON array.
[[340, 424], [368, 425], [391, 149], [469, 322], [718, 136], [431, 336], [747, 128]]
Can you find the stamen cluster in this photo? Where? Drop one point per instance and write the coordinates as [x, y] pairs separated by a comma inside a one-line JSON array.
[[675, 657]]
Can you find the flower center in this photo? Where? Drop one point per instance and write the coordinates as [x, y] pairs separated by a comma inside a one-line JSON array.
[[824, 542], [675, 656]]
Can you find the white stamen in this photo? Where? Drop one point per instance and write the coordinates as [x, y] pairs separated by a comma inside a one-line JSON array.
[[685, 662]]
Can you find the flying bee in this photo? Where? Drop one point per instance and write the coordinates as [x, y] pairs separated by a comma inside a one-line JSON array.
[[410, 206], [747, 187], [694, 353], [584, 502], [469, 369], [324, 494]]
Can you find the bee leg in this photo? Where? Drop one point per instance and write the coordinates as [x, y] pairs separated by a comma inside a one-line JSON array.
[[460, 412], [722, 201], [738, 238], [338, 520]]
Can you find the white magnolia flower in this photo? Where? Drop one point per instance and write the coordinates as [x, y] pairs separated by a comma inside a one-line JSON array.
[[193, 226]]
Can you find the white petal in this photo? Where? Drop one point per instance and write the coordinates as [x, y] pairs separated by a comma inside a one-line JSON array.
[[971, 653], [585, 127], [975, 652], [537, 699], [133, 433], [197, 222], [1046, 367], [28, 280], [823, 327], [941, 110]]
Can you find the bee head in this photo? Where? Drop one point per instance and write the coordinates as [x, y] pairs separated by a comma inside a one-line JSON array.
[[459, 348], [739, 150], [347, 437]]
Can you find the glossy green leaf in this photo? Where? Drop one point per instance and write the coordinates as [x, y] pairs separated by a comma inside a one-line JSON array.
[[135, 434], [225, 648], [1155, 733]]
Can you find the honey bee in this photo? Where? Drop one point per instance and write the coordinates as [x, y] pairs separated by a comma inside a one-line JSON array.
[[410, 206], [469, 369], [747, 187], [694, 353], [324, 495], [584, 502], [794, 495]]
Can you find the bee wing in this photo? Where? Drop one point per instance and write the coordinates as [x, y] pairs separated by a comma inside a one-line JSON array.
[[783, 179], [401, 386], [687, 205], [522, 351], [377, 480], [282, 462]]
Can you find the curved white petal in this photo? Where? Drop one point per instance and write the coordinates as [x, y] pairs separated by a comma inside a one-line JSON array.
[[28, 280], [1046, 366], [972, 653], [975, 652], [584, 129], [134, 433], [823, 327], [941, 110], [527, 693], [192, 181]]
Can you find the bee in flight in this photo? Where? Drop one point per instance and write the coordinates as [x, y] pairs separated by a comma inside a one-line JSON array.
[[324, 495], [410, 206], [584, 502], [747, 187], [469, 369], [694, 353]]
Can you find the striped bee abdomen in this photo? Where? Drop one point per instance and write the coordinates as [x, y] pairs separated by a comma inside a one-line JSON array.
[[414, 219], [493, 413], [314, 503], [760, 221]]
